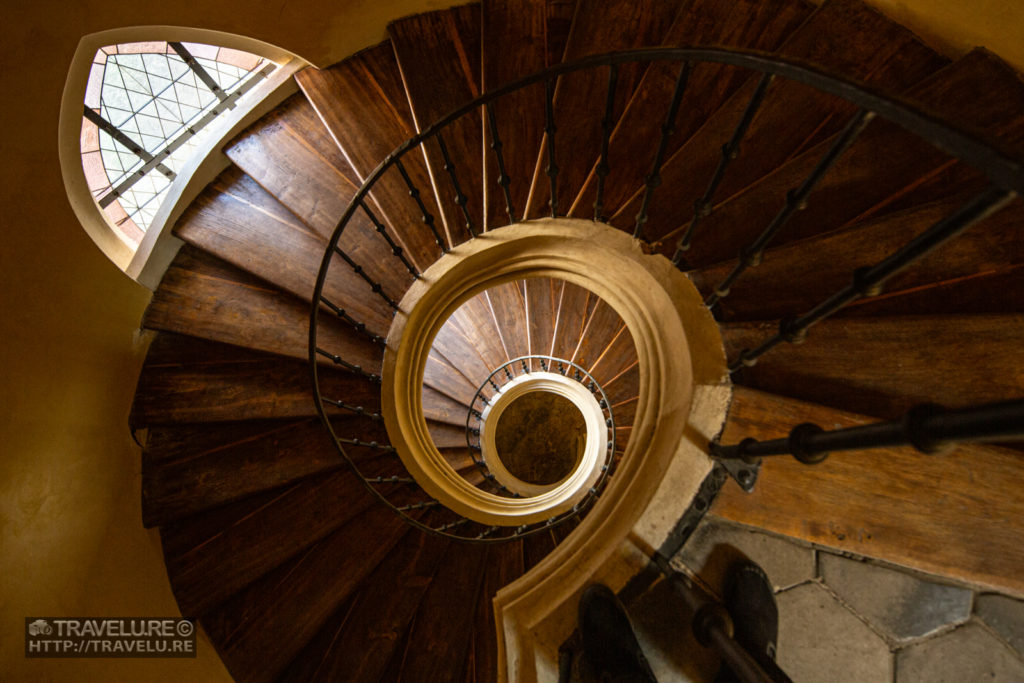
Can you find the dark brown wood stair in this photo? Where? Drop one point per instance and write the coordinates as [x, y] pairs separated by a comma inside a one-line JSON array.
[[297, 573]]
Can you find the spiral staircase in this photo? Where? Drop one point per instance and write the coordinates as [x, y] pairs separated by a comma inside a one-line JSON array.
[[281, 548]]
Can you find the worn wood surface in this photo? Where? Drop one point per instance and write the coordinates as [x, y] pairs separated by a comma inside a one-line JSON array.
[[438, 640], [226, 462], [292, 156], [750, 24], [955, 515], [202, 296], [439, 57], [359, 640], [508, 305], [441, 374], [450, 344], [841, 36], [884, 163], [263, 627], [883, 366], [367, 88], [598, 26], [793, 278], [575, 305], [190, 380], [504, 565], [476, 324]]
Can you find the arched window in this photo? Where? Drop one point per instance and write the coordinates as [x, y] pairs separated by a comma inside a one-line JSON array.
[[147, 108], [144, 113]]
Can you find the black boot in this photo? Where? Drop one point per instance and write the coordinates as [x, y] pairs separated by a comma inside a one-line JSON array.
[[750, 601], [610, 647]]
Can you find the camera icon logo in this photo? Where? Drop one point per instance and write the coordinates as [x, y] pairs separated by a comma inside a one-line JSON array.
[[39, 627]]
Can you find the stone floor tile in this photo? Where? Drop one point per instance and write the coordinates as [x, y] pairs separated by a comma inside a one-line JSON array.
[[900, 604], [969, 653], [715, 545], [821, 640], [1004, 615]]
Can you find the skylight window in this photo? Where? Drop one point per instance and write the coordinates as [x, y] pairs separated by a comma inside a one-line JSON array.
[[146, 108]]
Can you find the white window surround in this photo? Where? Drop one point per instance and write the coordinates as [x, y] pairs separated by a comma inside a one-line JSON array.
[[147, 264]]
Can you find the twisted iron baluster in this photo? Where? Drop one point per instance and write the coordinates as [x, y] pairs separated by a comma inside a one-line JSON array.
[[653, 179], [549, 130], [607, 123], [796, 200], [460, 198], [503, 178], [730, 150], [382, 231], [337, 360], [358, 410], [428, 218], [868, 281], [374, 285], [359, 326]]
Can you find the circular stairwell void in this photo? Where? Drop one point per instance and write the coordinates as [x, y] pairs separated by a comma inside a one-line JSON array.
[[677, 343]]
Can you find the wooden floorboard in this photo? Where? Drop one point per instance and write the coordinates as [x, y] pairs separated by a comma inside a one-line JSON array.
[[958, 515]]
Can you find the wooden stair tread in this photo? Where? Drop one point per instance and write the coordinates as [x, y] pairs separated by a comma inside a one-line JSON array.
[[439, 57], [883, 366], [234, 460], [359, 640], [441, 375], [475, 323], [240, 223], [841, 36], [504, 565], [574, 307], [368, 88], [936, 514], [598, 26], [202, 296], [189, 380], [263, 627], [794, 277], [541, 306], [751, 24], [508, 306], [885, 162]]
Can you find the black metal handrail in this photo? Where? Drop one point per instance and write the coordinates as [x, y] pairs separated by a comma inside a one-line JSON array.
[[928, 428], [1005, 174]]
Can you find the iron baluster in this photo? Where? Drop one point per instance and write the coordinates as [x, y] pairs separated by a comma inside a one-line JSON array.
[[460, 198], [928, 428], [358, 325], [389, 480], [382, 231], [730, 151], [377, 288], [607, 124], [358, 410], [549, 132], [356, 369], [868, 281], [427, 217], [503, 179], [796, 200], [368, 444], [653, 180]]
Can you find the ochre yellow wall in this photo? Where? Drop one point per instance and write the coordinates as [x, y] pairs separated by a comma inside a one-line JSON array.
[[71, 540]]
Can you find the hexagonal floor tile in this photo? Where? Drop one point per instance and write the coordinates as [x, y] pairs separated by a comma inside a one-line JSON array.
[[1005, 616], [969, 653]]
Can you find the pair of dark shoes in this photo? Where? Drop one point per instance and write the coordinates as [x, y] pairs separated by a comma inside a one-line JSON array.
[[611, 651]]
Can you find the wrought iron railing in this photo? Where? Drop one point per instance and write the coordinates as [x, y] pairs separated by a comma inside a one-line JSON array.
[[1005, 176]]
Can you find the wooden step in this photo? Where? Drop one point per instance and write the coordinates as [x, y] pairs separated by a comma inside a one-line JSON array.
[[441, 375], [357, 641], [260, 630], [188, 380], [475, 323], [844, 37], [504, 565], [363, 103], [520, 37], [190, 468], [214, 554], [456, 349], [202, 296], [239, 222], [292, 155], [447, 435], [884, 163], [955, 515], [575, 304], [883, 366], [795, 277], [750, 24], [439, 57], [438, 640], [508, 307], [600, 329], [599, 26], [541, 312], [442, 408]]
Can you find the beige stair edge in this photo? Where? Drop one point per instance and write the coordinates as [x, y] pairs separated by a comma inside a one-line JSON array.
[[684, 395]]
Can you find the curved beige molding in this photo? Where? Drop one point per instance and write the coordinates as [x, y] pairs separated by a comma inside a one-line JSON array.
[[684, 393], [574, 485]]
